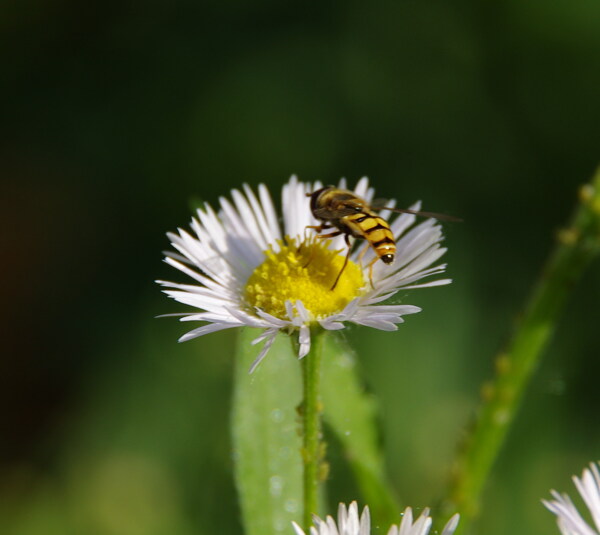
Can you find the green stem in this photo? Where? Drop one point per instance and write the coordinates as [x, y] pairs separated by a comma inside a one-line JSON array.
[[575, 248], [311, 411]]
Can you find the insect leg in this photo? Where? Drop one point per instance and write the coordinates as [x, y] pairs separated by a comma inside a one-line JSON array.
[[330, 235], [347, 239], [320, 227], [312, 254], [362, 253], [371, 271]]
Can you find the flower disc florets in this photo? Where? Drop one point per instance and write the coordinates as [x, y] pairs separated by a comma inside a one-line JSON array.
[[303, 272]]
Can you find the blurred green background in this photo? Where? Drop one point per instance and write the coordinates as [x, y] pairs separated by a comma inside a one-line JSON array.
[[120, 115]]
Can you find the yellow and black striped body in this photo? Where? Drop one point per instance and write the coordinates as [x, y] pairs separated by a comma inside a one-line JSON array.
[[350, 215], [369, 226]]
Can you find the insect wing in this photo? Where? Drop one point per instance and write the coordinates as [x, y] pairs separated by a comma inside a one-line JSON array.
[[380, 204], [341, 210]]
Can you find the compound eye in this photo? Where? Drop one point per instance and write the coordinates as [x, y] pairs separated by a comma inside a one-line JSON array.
[[387, 258]]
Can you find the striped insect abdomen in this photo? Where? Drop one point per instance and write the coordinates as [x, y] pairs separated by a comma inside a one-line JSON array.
[[376, 231]]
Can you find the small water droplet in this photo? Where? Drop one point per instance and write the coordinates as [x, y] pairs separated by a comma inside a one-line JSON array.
[[277, 415], [276, 485], [291, 506]]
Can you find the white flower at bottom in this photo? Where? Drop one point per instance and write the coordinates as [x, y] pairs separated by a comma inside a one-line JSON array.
[[251, 272], [569, 521], [349, 523]]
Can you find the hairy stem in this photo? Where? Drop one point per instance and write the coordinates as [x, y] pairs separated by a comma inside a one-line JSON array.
[[576, 246], [311, 413]]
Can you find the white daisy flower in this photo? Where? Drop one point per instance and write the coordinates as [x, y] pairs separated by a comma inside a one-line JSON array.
[[251, 271], [569, 521], [349, 523]]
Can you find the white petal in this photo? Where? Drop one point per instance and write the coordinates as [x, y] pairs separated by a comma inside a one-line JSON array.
[[201, 302], [331, 325], [276, 322], [589, 488], [211, 262], [415, 242], [395, 309], [365, 522], [269, 211], [269, 233], [200, 297], [304, 340], [206, 329], [296, 208], [362, 188], [328, 527], [423, 523], [377, 324], [406, 524], [302, 312], [263, 352], [397, 281], [297, 529], [246, 319], [419, 264], [246, 247], [210, 316], [266, 334], [248, 216], [205, 281], [376, 297], [451, 525], [289, 310], [440, 282]]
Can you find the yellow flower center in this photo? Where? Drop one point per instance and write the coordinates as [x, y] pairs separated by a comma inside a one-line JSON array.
[[304, 272]]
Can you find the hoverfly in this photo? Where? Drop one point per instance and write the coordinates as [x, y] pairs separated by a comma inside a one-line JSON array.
[[351, 215]]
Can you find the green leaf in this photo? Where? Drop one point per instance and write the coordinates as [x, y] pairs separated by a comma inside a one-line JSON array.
[[350, 412], [266, 436]]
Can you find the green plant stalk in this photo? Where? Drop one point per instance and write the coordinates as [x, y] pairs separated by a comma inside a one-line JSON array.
[[576, 247], [311, 413]]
